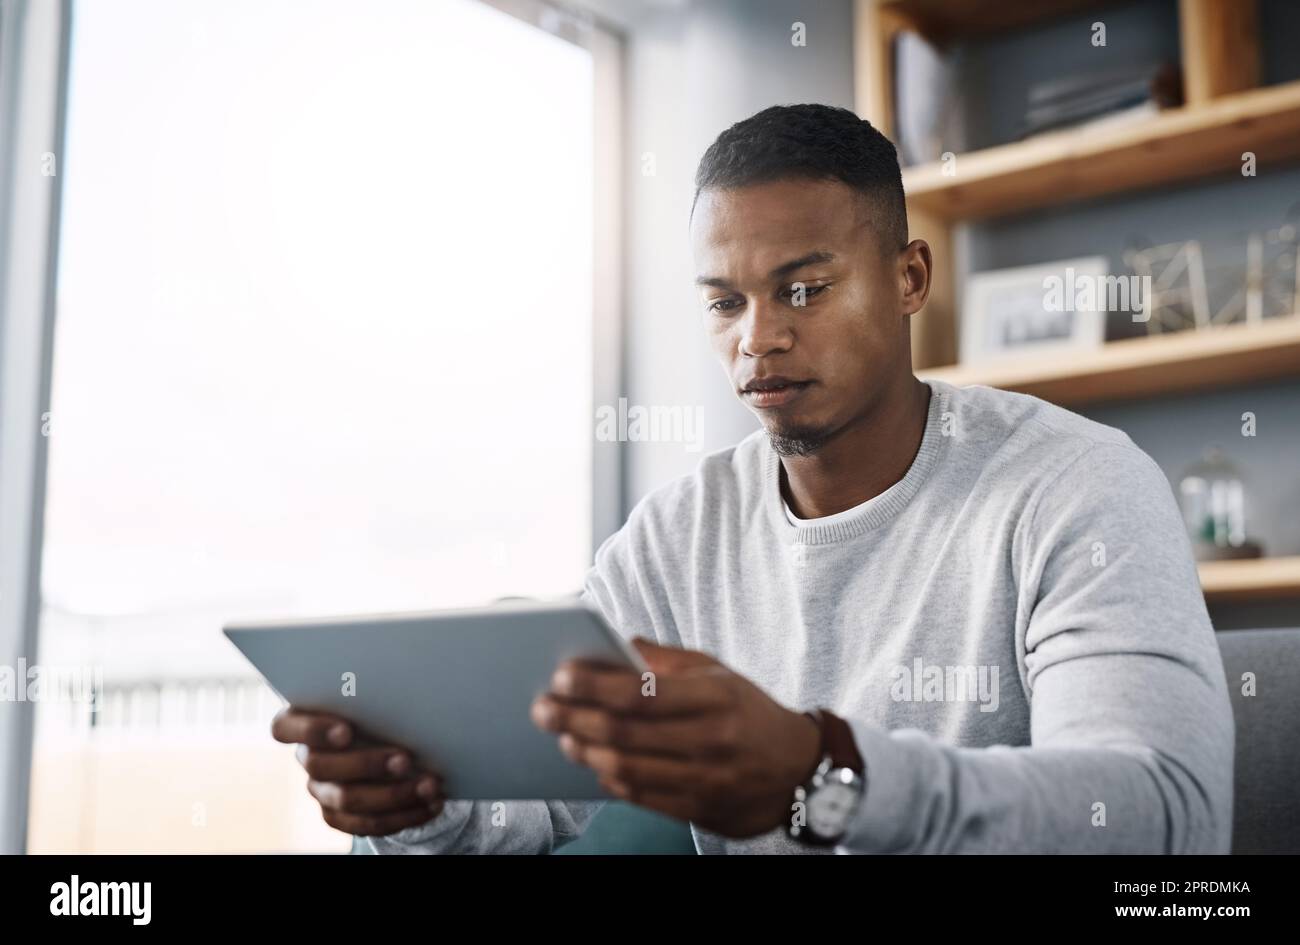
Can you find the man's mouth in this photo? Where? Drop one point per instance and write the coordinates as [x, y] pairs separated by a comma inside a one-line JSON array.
[[772, 391]]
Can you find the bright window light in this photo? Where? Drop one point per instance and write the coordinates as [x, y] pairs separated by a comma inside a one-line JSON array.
[[323, 346]]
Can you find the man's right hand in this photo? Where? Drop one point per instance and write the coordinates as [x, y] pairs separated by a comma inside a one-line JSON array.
[[364, 788]]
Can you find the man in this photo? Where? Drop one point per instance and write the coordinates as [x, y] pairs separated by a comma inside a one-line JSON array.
[[902, 617]]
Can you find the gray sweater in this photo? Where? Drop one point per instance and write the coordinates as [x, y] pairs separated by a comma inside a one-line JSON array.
[[1015, 631]]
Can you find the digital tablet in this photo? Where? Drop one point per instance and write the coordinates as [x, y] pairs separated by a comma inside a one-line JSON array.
[[452, 686]]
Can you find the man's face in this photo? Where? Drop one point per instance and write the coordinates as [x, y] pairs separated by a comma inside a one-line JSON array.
[[762, 250]]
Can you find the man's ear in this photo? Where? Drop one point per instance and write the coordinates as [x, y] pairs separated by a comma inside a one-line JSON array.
[[915, 271]]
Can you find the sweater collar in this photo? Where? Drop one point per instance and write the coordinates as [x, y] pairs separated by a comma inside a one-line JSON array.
[[888, 504]]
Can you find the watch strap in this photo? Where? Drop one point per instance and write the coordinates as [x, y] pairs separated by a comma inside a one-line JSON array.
[[837, 743]]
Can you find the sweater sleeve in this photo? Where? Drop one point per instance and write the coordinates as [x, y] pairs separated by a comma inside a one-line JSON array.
[[533, 826], [1131, 727], [492, 827]]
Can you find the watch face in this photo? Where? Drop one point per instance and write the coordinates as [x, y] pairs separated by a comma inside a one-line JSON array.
[[830, 807]]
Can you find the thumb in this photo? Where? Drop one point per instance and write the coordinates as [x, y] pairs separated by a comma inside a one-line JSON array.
[[669, 658]]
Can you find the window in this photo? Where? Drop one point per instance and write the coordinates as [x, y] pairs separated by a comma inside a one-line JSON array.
[[324, 345]]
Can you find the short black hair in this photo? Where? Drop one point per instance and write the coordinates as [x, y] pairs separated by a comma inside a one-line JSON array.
[[818, 142]]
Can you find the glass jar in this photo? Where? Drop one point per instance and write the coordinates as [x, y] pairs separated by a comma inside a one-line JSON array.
[[1212, 495]]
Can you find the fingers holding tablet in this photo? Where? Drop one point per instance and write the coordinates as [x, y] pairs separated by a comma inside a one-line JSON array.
[[363, 787], [315, 729]]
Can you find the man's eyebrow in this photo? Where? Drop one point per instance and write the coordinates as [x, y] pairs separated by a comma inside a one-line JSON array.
[[793, 265], [714, 281], [821, 256]]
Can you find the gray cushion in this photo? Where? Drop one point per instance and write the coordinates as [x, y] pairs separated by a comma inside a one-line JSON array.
[[1266, 795]]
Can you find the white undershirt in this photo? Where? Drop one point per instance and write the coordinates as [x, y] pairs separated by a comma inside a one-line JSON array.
[[827, 519]]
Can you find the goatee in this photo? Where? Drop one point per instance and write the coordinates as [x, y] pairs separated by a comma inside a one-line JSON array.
[[798, 441]]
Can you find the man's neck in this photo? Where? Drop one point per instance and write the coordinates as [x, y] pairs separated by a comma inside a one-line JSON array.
[[861, 461]]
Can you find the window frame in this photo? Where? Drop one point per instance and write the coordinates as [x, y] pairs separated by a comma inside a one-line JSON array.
[[34, 48], [609, 363]]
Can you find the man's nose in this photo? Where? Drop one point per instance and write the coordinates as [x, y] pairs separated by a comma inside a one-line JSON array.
[[766, 329]]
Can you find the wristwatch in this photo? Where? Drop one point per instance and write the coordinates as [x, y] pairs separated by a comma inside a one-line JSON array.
[[825, 804]]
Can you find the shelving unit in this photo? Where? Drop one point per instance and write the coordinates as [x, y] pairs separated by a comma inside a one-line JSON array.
[[1225, 113], [1181, 362], [1179, 144], [1251, 580]]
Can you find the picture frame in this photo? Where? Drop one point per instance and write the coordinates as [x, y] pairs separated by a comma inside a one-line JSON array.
[[1049, 307]]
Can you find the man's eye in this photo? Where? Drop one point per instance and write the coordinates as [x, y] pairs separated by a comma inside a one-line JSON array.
[[723, 305], [809, 291]]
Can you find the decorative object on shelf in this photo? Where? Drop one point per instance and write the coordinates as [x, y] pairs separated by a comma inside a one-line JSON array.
[[927, 118], [1242, 278], [1263, 284], [1178, 299], [1034, 309], [1277, 279], [1090, 99], [1212, 495]]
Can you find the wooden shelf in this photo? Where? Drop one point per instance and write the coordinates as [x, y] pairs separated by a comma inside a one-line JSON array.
[[1143, 367], [1252, 579], [1073, 164], [945, 20]]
